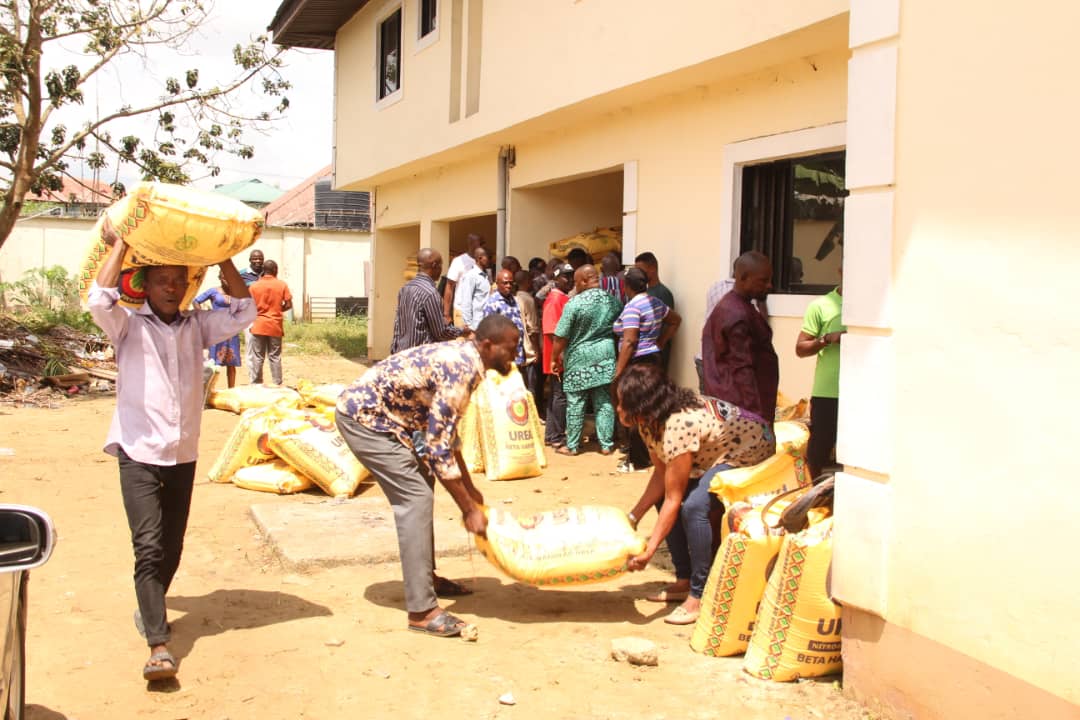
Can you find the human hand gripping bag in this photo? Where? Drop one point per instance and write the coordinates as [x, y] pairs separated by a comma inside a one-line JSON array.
[[512, 444], [569, 546], [797, 631], [165, 224]]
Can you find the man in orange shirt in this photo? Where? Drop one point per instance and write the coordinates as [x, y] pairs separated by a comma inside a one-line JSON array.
[[272, 298]]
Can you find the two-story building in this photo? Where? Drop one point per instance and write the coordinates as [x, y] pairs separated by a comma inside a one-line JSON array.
[[925, 146]]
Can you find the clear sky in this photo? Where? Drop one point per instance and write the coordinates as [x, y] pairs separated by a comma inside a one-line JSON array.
[[290, 151]]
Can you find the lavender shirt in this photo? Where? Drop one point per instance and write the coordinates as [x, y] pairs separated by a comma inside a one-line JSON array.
[[159, 387]]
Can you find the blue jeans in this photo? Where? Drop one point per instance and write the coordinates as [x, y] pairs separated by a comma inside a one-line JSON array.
[[690, 541]]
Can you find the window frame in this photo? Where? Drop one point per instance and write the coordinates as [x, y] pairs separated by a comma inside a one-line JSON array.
[[386, 15], [424, 40], [780, 146]]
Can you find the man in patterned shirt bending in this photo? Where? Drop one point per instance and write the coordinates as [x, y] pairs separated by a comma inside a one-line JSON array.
[[400, 419]]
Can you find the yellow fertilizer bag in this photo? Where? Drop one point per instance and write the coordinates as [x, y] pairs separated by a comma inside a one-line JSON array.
[[513, 448], [797, 632], [132, 283], [469, 434], [273, 477], [248, 443], [321, 454], [569, 546], [313, 395], [179, 225], [784, 471], [597, 243], [246, 397], [736, 582]]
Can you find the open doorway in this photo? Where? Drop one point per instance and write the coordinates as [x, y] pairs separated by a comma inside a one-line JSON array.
[[547, 212]]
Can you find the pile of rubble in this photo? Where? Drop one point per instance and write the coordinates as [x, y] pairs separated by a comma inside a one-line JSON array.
[[38, 368]]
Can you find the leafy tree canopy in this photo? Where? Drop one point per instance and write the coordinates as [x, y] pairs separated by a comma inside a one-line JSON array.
[[194, 118]]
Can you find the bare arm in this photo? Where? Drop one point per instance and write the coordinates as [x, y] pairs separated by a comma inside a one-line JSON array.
[[626, 351], [807, 345], [448, 300], [468, 498], [676, 477], [233, 281], [109, 274], [558, 347], [672, 321]]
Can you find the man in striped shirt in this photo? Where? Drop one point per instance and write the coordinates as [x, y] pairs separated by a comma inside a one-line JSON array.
[[419, 319]]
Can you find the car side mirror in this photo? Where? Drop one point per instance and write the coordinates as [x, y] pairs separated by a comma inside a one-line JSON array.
[[27, 537]]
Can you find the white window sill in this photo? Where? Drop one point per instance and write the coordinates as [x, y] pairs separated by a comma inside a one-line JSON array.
[[392, 99], [787, 305], [422, 43]]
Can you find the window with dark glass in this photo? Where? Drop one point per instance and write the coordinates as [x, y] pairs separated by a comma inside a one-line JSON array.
[[390, 54], [429, 16], [793, 211]]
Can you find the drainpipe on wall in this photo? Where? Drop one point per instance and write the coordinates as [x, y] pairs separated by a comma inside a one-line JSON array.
[[500, 207]]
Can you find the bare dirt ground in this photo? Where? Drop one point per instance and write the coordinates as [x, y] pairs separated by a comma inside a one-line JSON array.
[[256, 639]]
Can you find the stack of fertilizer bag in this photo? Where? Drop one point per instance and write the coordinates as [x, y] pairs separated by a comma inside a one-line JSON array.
[[170, 225], [767, 594], [286, 441], [500, 431]]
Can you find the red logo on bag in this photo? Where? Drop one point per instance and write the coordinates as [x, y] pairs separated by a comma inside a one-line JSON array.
[[517, 408]]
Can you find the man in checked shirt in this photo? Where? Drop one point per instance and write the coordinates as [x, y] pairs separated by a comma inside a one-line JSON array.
[[419, 319]]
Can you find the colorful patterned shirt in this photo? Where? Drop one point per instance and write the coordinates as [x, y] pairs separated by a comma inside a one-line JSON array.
[[714, 433], [586, 322], [418, 396], [647, 314], [496, 304]]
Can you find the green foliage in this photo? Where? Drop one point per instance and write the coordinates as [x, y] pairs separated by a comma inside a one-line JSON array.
[[46, 298], [346, 336], [190, 113]]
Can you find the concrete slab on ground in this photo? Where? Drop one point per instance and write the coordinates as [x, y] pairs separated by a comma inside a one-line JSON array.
[[358, 531]]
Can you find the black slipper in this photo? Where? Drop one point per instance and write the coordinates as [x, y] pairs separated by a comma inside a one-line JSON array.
[[442, 625], [445, 587], [156, 669]]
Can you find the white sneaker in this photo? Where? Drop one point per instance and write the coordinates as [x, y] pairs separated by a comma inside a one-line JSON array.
[[628, 467]]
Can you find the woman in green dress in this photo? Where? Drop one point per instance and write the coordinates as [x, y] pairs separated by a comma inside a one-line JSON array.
[[583, 353]]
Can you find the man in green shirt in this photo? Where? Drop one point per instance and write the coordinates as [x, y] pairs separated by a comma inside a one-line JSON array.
[[820, 336]]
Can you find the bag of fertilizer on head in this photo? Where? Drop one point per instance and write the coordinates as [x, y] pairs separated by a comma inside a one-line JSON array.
[[784, 471], [797, 631], [320, 453], [570, 546], [513, 447], [736, 583], [166, 224], [273, 477]]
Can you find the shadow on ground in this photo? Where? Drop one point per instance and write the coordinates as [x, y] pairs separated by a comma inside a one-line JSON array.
[[518, 603], [235, 609]]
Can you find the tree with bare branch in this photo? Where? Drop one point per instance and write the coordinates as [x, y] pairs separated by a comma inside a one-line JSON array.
[[193, 123]]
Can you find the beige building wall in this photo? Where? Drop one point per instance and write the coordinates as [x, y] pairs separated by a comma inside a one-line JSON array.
[[530, 59], [540, 215], [45, 242], [678, 144], [954, 519]]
